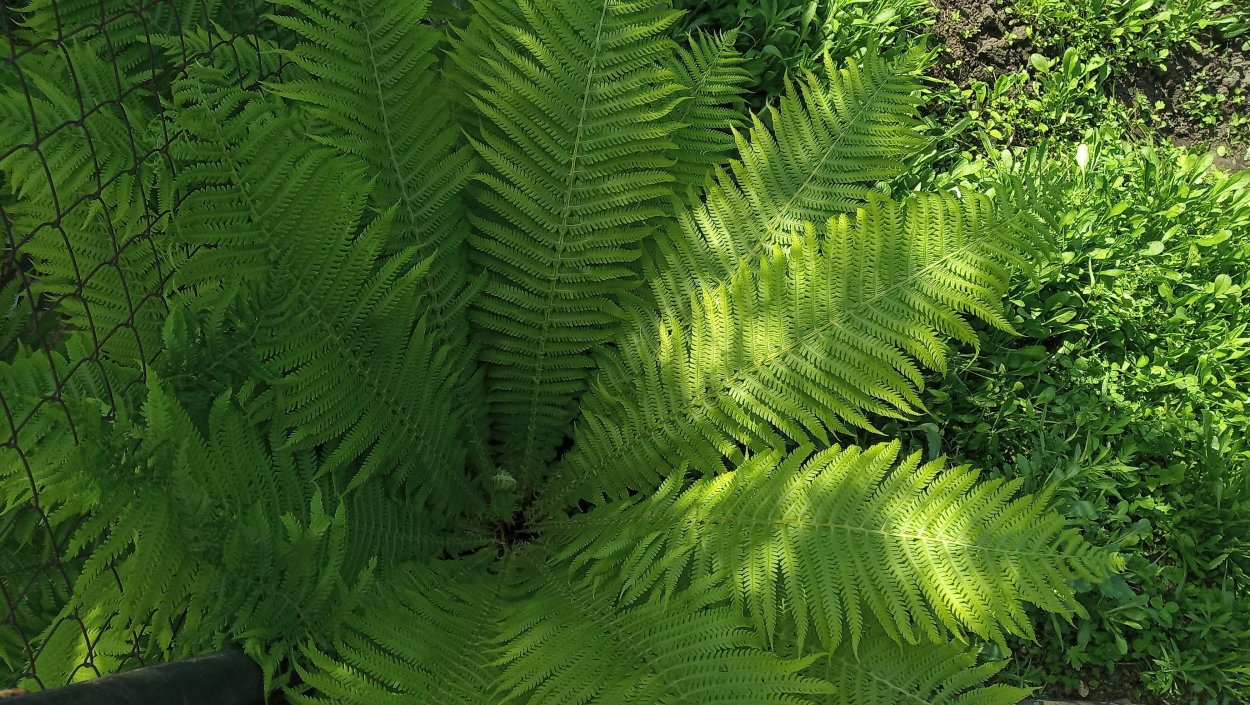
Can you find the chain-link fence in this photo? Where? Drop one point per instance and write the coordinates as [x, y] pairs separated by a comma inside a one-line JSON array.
[[84, 139]]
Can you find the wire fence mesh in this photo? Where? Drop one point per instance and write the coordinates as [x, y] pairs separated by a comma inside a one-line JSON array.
[[84, 135]]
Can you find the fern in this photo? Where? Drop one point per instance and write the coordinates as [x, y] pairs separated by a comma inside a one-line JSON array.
[[273, 575], [87, 215], [441, 653], [555, 642], [371, 70], [712, 81], [503, 360], [347, 348], [832, 138]]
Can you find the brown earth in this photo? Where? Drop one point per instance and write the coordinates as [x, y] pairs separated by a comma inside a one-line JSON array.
[[982, 40], [1220, 69]]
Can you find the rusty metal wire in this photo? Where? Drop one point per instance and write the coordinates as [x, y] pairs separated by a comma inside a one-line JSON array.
[[143, 38]]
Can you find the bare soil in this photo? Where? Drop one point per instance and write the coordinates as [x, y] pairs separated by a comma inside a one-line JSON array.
[[982, 40]]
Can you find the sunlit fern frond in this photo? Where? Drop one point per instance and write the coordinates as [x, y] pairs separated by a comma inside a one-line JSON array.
[[817, 154], [816, 337], [827, 544]]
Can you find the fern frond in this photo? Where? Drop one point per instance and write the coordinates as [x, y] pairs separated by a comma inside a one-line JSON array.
[[831, 541], [371, 80], [565, 643], [832, 137], [372, 71], [813, 338], [359, 367], [126, 26], [222, 531], [22, 321], [42, 442], [423, 635], [465, 633], [574, 130], [885, 672], [240, 155], [341, 326], [713, 81]]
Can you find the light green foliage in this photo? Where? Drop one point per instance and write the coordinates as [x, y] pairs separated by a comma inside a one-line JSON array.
[[1132, 30], [1128, 394], [816, 154], [817, 337], [711, 75], [403, 265]]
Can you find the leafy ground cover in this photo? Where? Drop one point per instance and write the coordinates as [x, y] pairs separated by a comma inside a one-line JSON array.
[[1126, 392]]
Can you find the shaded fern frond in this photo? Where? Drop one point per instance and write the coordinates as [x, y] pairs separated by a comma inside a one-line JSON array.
[[826, 544], [41, 401], [88, 222], [574, 131], [425, 634], [243, 197], [341, 327], [887, 673], [713, 81], [813, 338], [565, 643], [372, 79], [271, 575], [128, 23]]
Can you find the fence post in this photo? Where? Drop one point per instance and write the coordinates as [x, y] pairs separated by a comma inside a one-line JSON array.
[[220, 678]]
